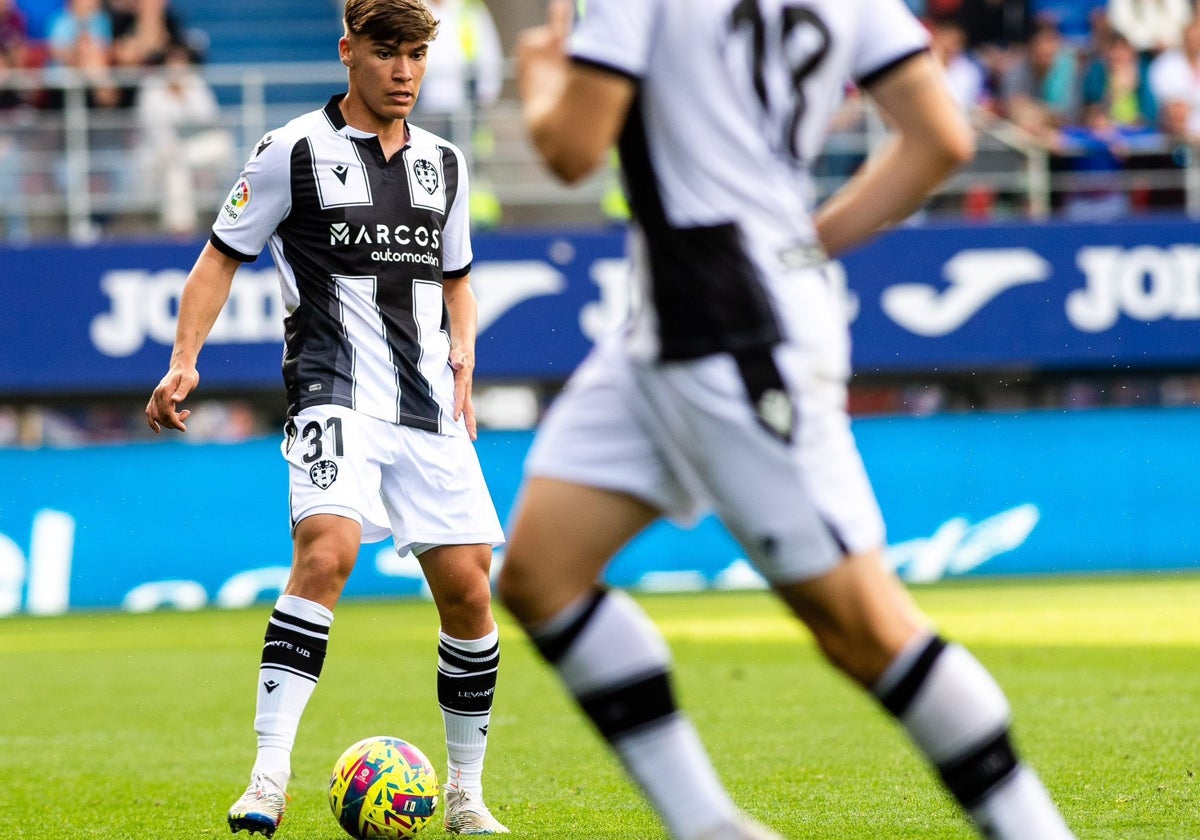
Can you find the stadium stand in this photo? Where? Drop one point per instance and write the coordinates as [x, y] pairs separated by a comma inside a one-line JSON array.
[[263, 31]]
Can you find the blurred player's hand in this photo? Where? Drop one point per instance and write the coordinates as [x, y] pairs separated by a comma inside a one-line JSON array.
[[163, 408], [542, 50]]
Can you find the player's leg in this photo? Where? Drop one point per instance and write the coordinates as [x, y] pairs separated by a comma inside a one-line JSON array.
[[468, 663], [608, 653], [332, 482], [949, 704], [325, 549], [439, 507]]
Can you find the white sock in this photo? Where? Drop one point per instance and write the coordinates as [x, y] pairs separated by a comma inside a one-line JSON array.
[[293, 655], [1020, 809], [467, 670], [958, 716]]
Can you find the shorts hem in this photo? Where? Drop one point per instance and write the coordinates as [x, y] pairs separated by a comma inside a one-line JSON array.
[[336, 510], [456, 539]]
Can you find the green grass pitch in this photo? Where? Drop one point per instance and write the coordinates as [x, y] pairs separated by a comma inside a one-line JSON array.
[[117, 726]]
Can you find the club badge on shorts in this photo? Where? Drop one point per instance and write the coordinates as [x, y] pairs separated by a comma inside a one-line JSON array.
[[323, 473]]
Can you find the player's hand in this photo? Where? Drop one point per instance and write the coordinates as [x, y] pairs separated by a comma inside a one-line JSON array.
[[462, 362], [163, 408], [544, 48]]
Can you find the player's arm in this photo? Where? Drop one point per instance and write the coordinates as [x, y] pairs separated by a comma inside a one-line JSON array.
[[574, 113], [463, 312], [930, 139], [204, 296]]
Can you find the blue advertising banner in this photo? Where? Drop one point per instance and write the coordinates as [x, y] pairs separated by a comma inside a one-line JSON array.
[[1048, 296], [173, 525]]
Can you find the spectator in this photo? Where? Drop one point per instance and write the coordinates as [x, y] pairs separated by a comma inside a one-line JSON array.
[[964, 75], [13, 108], [1114, 80], [467, 64], [183, 142], [996, 31], [1041, 92], [80, 20], [1174, 120], [1174, 78], [1096, 152], [1151, 26], [39, 14], [81, 41], [143, 31], [81, 38], [1074, 18], [14, 34]]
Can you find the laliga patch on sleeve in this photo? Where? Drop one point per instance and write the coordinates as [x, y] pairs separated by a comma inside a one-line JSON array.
[[238, 198]]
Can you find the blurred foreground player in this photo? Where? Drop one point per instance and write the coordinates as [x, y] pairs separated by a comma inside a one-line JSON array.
[[727, 389], [367, 218]]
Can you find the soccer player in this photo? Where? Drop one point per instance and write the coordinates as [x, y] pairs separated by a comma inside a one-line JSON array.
[[366, 216], [727, 388]]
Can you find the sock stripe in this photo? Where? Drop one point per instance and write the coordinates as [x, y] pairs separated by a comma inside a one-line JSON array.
[[971, 777], [553, 646], [290, 622], [619, 710], [465, 660], [277, 667], [900, 696]]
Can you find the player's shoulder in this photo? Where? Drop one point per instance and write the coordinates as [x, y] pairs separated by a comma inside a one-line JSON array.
[[278, 142]]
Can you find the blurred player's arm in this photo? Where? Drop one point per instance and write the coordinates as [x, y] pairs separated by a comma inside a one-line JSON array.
[[204, 296], [930, 139], [464, 317], [574, 113]]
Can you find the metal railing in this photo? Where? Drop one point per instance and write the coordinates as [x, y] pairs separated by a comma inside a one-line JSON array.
[[75, 170]]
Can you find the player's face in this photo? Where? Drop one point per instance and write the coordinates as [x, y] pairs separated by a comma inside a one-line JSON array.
[[385, 78]]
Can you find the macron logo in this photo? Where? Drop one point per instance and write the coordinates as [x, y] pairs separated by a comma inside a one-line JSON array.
[[975, 279]]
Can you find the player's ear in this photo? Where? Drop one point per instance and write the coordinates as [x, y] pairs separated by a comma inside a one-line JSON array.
[[344, 50]]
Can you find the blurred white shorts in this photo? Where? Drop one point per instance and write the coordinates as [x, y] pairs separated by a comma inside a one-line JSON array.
[[423, 488], [684, 437]]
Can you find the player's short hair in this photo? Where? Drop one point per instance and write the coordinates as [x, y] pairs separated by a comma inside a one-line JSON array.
[[390, 21]]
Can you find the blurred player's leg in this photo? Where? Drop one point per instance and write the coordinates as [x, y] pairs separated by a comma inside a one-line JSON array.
[[949, 704], [608, 653]]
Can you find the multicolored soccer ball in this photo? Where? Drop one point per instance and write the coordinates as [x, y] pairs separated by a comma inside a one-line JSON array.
[[383, 787]]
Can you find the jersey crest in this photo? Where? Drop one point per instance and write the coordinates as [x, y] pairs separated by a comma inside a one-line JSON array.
[[427, 182]]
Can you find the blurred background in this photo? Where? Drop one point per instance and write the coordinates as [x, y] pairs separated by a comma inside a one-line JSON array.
[[1027, 347]]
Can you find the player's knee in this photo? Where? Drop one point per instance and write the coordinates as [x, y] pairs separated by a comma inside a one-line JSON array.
[[514, 586], [466, 612], [323, 569]]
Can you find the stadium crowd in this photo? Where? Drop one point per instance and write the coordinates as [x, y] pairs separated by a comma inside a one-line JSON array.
[[147, 105], [1105, 87]]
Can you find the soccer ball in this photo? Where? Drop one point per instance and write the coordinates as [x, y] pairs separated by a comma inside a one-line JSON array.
[[383, 787]]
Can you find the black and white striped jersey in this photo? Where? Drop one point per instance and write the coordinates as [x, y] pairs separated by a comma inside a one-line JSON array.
[[734, 100], [362, 245]]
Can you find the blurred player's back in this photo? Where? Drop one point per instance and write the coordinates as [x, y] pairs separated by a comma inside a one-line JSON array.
[[734, 102]]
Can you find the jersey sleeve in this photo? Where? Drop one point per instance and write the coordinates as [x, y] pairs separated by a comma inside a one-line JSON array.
[[456, 233], [258, 202], [616, 35], [889, 33]]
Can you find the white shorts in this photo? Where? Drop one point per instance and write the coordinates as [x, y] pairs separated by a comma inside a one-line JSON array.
[[423, 488], [683, 437]]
